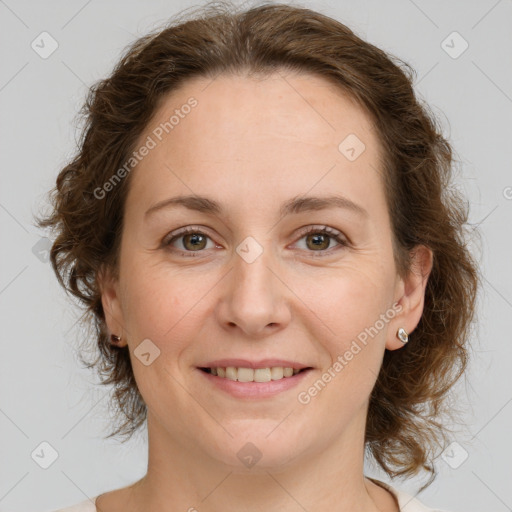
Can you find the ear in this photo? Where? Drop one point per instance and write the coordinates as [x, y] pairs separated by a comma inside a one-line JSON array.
[[411, 295], [108, 284]]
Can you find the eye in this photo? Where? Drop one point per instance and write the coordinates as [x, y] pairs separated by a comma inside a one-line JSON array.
[[319, 239], [193, 240]]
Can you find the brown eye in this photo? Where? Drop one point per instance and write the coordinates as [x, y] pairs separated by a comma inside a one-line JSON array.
[[318, 241], [188, 242], [194, 241]]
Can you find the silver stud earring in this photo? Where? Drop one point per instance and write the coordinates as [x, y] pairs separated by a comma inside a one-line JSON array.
[[402, 335]]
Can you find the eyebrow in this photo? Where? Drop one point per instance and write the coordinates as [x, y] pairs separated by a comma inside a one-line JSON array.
[[292, 206]]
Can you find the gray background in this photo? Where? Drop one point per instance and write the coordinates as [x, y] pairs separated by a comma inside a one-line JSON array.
[[46, 396]]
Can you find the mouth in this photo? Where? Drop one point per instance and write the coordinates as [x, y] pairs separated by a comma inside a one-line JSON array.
[[245, 383], [242, 374]]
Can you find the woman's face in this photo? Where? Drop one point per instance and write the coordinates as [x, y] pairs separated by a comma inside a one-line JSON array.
[[258, 280]]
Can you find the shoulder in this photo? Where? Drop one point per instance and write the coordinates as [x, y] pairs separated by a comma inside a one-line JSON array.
[[84, 506], [406, 502]]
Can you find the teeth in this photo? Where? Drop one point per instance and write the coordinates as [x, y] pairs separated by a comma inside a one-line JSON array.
[[254, 375], [277, 372]]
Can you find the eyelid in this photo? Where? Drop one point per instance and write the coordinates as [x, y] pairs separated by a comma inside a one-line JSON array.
[[318, 228]]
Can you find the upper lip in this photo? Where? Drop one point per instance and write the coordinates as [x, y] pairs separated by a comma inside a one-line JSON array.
[[244, 363]]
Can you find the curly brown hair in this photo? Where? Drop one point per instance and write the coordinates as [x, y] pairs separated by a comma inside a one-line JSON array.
[[410, 393]]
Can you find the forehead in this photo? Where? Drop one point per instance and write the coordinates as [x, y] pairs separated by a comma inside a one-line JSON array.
[[284, 133], [302, 106]]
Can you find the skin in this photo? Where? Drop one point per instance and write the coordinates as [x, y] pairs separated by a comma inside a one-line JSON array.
[[252, 144]]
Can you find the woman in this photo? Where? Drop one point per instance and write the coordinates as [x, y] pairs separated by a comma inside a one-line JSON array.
[[260, 224]]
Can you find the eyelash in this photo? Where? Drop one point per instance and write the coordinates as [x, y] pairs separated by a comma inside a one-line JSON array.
[[325, 230]]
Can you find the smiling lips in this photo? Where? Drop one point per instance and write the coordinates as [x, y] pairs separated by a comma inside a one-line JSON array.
[[254, 383], [251, 371], [242, 374]]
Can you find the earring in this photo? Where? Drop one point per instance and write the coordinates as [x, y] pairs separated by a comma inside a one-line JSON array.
[[402, 335], [115, 339]]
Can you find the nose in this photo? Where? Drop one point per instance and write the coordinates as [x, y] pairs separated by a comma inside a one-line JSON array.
[[254, 299]]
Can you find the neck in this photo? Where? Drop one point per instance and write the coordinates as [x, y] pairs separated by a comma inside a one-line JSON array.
[[181, 476]]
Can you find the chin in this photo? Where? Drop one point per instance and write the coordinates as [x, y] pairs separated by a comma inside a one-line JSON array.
[[257, 451]]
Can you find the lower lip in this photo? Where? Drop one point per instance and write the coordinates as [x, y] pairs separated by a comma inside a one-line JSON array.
[[255, 390]]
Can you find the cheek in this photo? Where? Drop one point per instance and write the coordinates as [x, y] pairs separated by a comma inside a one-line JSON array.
[[346, 317], [344, 307], [159, 304], [358, 314]]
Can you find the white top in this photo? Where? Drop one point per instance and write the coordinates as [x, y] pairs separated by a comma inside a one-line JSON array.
[[406, 502]]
